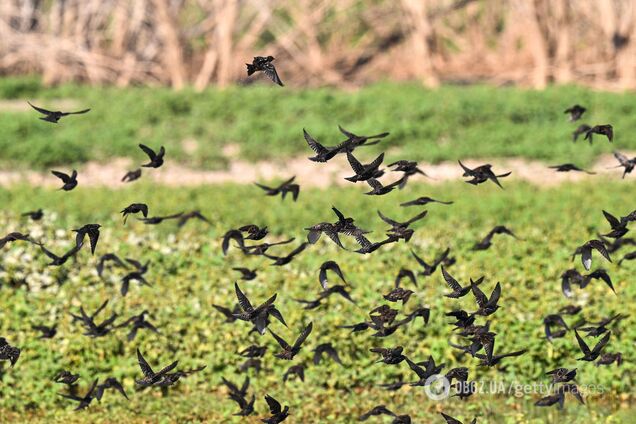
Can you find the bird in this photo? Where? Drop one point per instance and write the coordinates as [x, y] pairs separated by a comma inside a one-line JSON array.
[[482, 174], [390, 356], [378, 189], [185, 217], [486, 242], [254, 232], [625, 162], [562, 375], [70, 181], [375, 411], [110, 383], [55, 116], [364, 172], [137, 322], [260, 249], [92, 230], [424, 373], [496, 359], [586, 252], [247, 408], [619, 226], [66, 377], [282, 189], [487, 305], [84, 401], [398, 294], [48, 332], [156, 159], [284, 260], [567, 167], [322, 153], [337, 289], [155, 220], [329, 266], [326, 348], [442, 258], [401, 229], [234, 389], [34, 215], [264, 64], [135, 208], [405, 273], [60, 260], [295, 370], [108, 257], [258, 315], [575, 112], [8, 352], [289, 351], [131, 176], [554, 320], [277, 413], [425, 200], [609, 359], [591, 355], [408, 168], [367, 247], [16, 236], [457, 290], [582, 129], [606, 130], [246, 273], [88, 321], [353, 140], [451, 420], [628, 257], [253, 351], [150, 377], [600, 327]]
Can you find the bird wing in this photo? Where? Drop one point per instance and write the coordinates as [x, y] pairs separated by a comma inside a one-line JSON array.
[[148, 151], [582, 345], [314, 145], [303, 336], [244, 302], [41, 110], [274, 405], [281, 342], [143, 364], [270, 71], [79, 112], [452, 283], [62, 176], [355, 164]]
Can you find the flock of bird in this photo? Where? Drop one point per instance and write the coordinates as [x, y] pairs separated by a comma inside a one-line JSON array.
[[472, 327]]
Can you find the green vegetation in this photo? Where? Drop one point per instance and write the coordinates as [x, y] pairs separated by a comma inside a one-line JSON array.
[[189, 274], [266, 122]]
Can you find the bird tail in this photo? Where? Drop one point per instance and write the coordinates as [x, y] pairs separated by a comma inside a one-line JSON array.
[[250, 69]]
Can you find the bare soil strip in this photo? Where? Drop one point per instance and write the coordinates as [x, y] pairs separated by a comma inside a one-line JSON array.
[[307, 173]]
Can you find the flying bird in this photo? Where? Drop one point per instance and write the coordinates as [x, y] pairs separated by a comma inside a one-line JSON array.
[[289, 351], [575, 112], [625, 162], [282, 189], [481, 174], [567, 167], [329, 266], [156, 159], [55, 116], [70, 181], [585, 251], [131, 176], [425, 200], [135, 208], [90, 230], [277, 413], [8, 352], [150, 377], [84, 401], [264, 64], [605, 130]]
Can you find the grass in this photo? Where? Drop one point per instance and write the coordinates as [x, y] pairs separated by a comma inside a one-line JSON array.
[[266, 122], [189, 274]]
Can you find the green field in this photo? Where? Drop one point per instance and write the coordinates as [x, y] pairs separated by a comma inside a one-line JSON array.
[[266, 122], [189, 273]]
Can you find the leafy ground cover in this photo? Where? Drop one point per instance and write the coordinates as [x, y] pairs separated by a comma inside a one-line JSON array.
[[189, 273], [266, 122]]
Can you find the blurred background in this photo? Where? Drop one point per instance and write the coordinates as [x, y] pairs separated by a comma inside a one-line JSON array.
[[344, 43]]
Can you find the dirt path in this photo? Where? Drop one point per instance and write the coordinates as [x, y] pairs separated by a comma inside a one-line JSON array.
[[307, 173]]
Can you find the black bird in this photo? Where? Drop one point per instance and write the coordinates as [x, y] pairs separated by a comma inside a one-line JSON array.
[[15, 236], [135, 208], [92, 230], [282, 189], [247, 408], [405, 273], [297, 370], [132, 276], [8, 352], [337, 289], [137, 322], [66, 377], [258, 315], [628, 257], [625, 162], [108, 257], [619, 226], [110, 383], [457, 290], [496, 359], [377, 410], [591, 355], [156, 159], [329, 266], [390, 356], [559, 396], [378, 189], [85, 400], [59, 260], [424, 373], [323, 154], [55, 116], [185, 217], [260, 249], [482, 174], [424, 200], [567, 167], [235, 235], [575, 112], [254, 232], [570, 310], [344, 225], [284, 260], [155, 220], [551, 321], [442, 258], [600, 327], [88, 321], [486, 242], [47, 332], [367, 247], [582, 129], [290, 351], [150, 377], [605, 130], [451, 420], [463, 318], [278, 414], [562, 375], [487, 306], [408, 168], [586, 252], [327, 348], [354, 140], [246, 273], [398, 294], [264, 64], [253, 351], [70, 181], [34, 215], [234, 389], [609, 359], [131, 176], [364, 172], [401, 229]]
